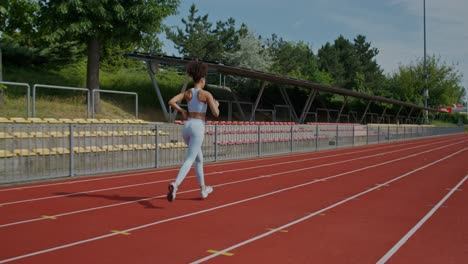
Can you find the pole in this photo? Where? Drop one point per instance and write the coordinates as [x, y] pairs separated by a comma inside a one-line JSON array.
[[426, 92], [1, 67]]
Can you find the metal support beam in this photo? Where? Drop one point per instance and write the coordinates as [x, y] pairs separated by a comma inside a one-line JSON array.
[[288, 102], [410, 112], [365, 112], [173, 114], [152, 71], [236, 101], [257, 101], [421, 112], [383, 114], [307, 105], [341, 109], [398, 115]]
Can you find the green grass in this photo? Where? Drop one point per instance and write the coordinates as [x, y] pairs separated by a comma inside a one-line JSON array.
[[64, 104], [442, 123], [71, 107]]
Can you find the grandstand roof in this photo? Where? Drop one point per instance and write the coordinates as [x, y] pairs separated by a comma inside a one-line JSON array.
[[273, 78]]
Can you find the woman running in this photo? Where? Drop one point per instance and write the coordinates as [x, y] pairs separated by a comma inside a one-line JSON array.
[[194, 129]]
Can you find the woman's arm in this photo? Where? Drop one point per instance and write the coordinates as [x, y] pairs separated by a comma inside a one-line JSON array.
[[213, 104], [177, 99]]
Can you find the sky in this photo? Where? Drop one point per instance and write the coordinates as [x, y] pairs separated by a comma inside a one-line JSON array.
[[394, 27]]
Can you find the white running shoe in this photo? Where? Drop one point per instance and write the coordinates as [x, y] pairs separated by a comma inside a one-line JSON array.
[[206, 191], [172, 192]]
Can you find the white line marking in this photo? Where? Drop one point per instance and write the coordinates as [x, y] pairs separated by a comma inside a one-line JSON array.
[[223, 163], [231, 204], [232, 170], [413, 230], [318, 212], [243, 180]]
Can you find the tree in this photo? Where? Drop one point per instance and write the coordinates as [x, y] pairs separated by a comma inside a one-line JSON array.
[[296, 60], [199, 39], [251, 54], [101, 22], [352, 65], [443, 82]]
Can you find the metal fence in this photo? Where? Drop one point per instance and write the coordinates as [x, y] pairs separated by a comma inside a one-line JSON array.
[[42, 151]]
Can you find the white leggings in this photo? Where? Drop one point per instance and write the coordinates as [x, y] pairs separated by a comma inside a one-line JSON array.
[[194, 133]]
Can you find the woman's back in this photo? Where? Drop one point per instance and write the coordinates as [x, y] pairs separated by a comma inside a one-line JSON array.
[[195, 104]]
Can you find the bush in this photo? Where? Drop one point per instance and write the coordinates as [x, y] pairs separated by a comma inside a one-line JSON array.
[[454, 118]]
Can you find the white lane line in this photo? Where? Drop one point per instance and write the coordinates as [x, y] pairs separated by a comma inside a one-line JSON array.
[[232, 170], [319, 211], [241, 181], [413, 230], [368, 148], [231, 204]]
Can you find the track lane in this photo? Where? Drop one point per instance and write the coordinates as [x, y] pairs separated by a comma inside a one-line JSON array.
[[361, 230], [191, 202], [443, 238], [144, 193], [42, 190]]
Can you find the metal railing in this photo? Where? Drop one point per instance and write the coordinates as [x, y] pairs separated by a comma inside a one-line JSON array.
[[114, 92], [28, 93], [60, 88], [42, 151]]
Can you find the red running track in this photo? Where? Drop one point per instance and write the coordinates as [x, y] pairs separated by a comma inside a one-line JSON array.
[[402, 202]]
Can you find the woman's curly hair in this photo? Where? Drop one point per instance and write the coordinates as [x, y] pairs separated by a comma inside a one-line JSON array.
[[197, 70]]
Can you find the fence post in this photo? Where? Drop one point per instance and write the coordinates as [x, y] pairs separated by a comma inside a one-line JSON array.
[[353, 134], [72, 143], [388, 133], [156, 150], [336, 136], [258, 140], [316, 137], [367, 134], [216, 143], [292, 138], [378, 134]]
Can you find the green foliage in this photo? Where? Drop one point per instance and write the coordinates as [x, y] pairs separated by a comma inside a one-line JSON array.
[[116, 21], [443, 83], [352, 65], [137, 80], [454, 118], [295, 60], [201, 40], [251, 54]]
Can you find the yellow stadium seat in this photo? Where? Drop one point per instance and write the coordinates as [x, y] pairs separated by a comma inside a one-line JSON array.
[[109, 148], [23, 152], [81, 121], [122, 147], [67, 121], [4, 135], [39, 134], [59, 134], [5, 120], [118, 121], [106, 121], [20, 120], [52, 121], [130, 121], [61, 150], [6, 154], [43, 151], [87, 149], [140, 121], [36, 120], [20, 134], [94, 121]]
